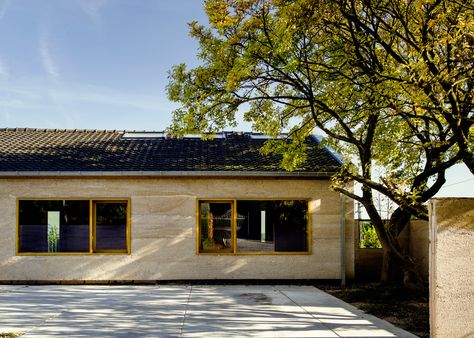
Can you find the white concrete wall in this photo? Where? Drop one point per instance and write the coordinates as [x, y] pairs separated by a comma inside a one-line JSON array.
[[452, 267], [419, 244], [163, 230]]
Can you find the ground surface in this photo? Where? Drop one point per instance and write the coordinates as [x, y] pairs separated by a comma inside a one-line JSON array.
[[183, 311], [404, 308]]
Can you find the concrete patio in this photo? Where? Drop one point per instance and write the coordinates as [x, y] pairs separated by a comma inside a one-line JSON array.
[[183, 311]]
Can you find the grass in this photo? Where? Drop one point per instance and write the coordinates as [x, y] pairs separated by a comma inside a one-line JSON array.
[[403, 308]]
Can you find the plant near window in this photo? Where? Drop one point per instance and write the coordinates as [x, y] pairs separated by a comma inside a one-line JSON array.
[[368, 237]]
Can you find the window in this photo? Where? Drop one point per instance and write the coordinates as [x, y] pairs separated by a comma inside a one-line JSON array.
[[110, 226], [216, 226], [73, 226], [253, 226]]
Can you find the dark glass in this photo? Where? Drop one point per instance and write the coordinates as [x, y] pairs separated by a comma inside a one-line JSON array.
[[111, 226], [272, 226], [216, 227], [54, 226]]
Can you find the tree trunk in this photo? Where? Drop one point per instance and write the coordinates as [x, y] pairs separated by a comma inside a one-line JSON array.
[[400, 269], [397, 265], [391, 267], [387, 265]]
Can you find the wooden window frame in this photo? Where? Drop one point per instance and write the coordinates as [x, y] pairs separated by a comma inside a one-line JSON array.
[[92, 226], [234, 202]]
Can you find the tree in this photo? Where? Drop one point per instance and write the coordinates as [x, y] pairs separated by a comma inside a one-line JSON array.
[[389, 82]]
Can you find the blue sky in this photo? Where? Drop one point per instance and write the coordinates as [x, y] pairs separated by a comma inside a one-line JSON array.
[[102, 64], [91, 63]]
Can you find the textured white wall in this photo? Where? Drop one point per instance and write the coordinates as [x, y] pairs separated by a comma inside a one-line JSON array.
[[452, 267], [163, 229]]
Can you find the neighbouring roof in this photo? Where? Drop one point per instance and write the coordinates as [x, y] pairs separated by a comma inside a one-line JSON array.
[[50, 152]]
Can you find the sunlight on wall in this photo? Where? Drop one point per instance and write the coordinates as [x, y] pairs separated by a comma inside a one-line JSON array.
[[236, 265], [314, 206]]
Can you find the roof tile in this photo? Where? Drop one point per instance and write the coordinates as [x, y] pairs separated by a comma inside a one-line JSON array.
[[47, 150]]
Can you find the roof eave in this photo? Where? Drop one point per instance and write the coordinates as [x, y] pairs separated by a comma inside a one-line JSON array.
[[294, 174]]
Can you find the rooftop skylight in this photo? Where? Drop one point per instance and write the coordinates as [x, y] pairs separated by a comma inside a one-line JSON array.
[[143, 134]]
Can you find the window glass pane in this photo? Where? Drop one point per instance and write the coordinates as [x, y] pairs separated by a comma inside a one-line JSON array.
[[272, 226], [53, 231], [111, 226], [54, 226], [216, 227]]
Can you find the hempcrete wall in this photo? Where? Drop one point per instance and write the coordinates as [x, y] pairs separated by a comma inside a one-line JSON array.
[[163, 231], [452, 267]]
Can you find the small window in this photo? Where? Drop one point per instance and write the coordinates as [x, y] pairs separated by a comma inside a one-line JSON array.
[[110, 226], [70, 226], [253, 226], [216, 227]]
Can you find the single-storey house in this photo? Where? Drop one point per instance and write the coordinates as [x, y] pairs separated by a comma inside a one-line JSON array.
[[82, 205]]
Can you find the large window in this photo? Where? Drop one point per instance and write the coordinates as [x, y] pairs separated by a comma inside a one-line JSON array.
[[253, 226], [73, 226]]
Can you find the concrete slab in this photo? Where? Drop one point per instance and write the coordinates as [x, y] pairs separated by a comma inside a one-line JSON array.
[[184, 311]]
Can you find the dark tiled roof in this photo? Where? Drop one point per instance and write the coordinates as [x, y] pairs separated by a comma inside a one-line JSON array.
[[45, 150]]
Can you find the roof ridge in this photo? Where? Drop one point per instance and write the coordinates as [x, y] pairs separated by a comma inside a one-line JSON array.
[[84, 130], [55, 130]]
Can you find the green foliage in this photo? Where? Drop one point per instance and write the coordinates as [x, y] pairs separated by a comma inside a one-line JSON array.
[[208, 244], [368, 236], [10, 334], [53, 238], [389, 82], [301, 64]]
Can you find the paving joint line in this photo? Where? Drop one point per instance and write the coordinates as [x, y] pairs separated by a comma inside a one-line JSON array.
[[185, 312], [45, 321], [309, 313]]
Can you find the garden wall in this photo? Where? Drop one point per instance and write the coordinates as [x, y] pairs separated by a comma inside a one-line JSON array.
[[414, 239], [452, 267]]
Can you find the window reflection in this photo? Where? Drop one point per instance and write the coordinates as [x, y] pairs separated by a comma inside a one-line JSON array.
[[272, 226], [256, 225], [216, 227], [54, 226]]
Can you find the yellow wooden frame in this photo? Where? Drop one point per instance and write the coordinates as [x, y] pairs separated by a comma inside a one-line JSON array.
[[234, 226], [91, 226]]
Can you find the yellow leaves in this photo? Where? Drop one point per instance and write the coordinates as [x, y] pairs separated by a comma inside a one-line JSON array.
[[232, 81], [218, 14], [240, 71], [292, 66], [242, 6], [293, 153]]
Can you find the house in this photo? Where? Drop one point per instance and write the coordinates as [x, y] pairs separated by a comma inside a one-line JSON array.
[[81, 205]]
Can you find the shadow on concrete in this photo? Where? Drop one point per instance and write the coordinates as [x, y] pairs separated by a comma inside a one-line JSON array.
[[183, 311]]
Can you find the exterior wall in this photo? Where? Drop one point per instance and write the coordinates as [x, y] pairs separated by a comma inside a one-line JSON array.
[[414, 239], [452, 267], [368, 263], [163, 231], [419, 246]]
